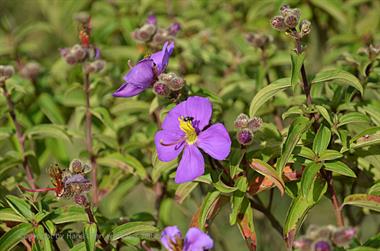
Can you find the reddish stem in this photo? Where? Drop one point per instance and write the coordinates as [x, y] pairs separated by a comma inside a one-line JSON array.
[[38, 190]]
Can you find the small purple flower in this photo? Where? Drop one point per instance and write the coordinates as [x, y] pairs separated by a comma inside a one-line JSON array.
[[186, 128], [174, 28], [195, 240], [145, 72], [322, 246], [151, 20]]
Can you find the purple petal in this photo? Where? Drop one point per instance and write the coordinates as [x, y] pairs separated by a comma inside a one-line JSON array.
[[151, 20], [166, 137], [199, 108], [141, 75], [191, 165], [170, 235], [161, 58], [215, 141], [196, 240], [127, 90]]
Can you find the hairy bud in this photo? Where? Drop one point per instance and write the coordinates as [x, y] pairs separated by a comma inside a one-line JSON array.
[[291, 18], [173, 82], [161, 89], [303, 244], [241, 121], [305, 27], [244, 136], [255, 124], [30, 70], [343, 236], [259, 40], [79, 52], [278, 23], [321, 245]]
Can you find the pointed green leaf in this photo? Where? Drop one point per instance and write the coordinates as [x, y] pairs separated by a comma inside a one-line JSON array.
[[340, 168], [131, 228], [47, 131], [90, 231], [297, 61], [269, 172], [207, 207], [20, 206], [369, 201], [15, 235], [7, 214], [308, 178], [330, 155], [352, 117], [322, 139], [368, 137]]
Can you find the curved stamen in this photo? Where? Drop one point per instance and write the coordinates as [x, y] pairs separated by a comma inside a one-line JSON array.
[[173, 143]]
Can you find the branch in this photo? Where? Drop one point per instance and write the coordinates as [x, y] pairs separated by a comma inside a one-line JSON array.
[[19, 134]]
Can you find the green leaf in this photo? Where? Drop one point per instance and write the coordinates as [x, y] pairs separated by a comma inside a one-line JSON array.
[[131, 228], [20, 206], [299, 126], [325, 114], [297, 61], [47, 131], [368, 137], [237, 198], [352, 117], [42, 240], [247, 226], [81, 246], [208, 205], [375, 189], [306, 152], [160, 167], [322, 139], [222, 187], [50, 109], [184, 190], [340, 76], [308, 178], [333, 8], [15, 235], [7, 214], [269, 172], [330, 155], [73, 214], [340, 168], [90, 231], [369, 201], [267, 93]]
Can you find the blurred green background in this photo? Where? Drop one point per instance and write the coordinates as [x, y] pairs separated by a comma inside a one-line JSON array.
[[211, 52]]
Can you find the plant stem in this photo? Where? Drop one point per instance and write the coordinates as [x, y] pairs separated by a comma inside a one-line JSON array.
[[91, 218], [334, 198], [88, 126], [20, 136], [305, 83], [258, 205]]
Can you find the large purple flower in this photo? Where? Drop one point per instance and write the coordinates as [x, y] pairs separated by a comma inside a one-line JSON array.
[[195, 240], [145, 72], [186, 129]]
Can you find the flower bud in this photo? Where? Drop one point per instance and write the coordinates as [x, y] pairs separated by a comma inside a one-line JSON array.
[[30, 70], [241, 121], [79, 52], [343, 236], [8, 71], [278, 23], [305, 27], [99, 65], [303, 244], [160, 37], [244, 136], [174, 28], [173, 82], [80, 199], [90, 68], [292, 18], [259, 40], [161, 89], [76, 166], [70, 58], [82, 17], [285, 9], [321, 245], [255, 124]]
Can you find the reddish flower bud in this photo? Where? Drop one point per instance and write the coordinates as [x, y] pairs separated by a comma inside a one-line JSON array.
[[244, 136], [278, 23], [343, 236], [30, 70], [241, 121], [161, 89], [79, 52], [305, 27], [322, 245], [255, 123]]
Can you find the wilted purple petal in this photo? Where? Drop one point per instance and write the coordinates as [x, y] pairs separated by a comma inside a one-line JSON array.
[[215, 141], [141, 75], [191, 165], [151, 20], [161, 58], [127, 90], [170, 235], [76, 178], [196, 240], [199, 108], [174, 28], [169, 144]]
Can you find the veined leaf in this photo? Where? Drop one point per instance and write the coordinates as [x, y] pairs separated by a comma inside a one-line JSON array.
[[298, 127], [330, 155], [340, 168], [50, 109], [269, 172], [339, 75], [267, 93], [20, 206], [297, 61], [375, 189], [308, 177], [237, 198], [369, 201], [352, 117], [322, 139], [325, 114], [7, 214], [48, 131], [90, 231], [131, 228], [184, 190], [208, 205], [15, 235], [368, 137]]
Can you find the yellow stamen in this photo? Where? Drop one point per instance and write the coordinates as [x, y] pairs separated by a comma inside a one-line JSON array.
[[188, 129]]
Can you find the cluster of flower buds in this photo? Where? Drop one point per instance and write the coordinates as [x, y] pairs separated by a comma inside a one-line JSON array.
[[289, 20], [246, 128], [168, 84], [6, 71], [259, 40], [372, 51], [30, 70], [156, 36], [95, 66], [325, 238]]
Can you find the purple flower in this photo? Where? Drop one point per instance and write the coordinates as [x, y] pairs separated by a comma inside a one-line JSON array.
[[186, 128], [195, 240], [145, 72], [174, 28], [151, 20]]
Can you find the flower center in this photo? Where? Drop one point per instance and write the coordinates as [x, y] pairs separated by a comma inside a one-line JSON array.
[[186, 125]]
